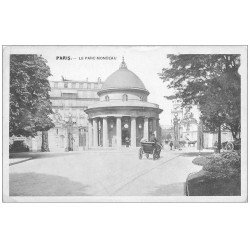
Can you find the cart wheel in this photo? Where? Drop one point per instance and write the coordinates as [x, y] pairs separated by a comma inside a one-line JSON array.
[[147, 155], [154, 154], [140, 153]]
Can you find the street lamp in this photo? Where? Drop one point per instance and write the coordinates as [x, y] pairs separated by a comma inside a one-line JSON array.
[[69, 125], [99, 132], [176, 131]]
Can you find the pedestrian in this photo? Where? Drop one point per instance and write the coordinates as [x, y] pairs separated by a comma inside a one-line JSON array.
[[171, 145]]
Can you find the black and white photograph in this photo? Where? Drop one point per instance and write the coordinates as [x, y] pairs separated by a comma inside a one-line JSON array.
[[124, 123]]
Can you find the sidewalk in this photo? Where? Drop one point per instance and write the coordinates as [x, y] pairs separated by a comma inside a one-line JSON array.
[[13, 161]]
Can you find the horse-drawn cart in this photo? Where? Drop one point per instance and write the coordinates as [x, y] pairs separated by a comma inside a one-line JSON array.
[[148, 148]]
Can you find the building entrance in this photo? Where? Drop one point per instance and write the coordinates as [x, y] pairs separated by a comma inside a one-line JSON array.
[[126, 137], [126, 133]]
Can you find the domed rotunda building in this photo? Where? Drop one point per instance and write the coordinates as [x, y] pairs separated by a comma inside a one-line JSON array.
[[122, 113]]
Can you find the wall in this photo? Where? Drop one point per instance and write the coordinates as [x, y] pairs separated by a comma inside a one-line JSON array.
[[118, 95], [81, 94]]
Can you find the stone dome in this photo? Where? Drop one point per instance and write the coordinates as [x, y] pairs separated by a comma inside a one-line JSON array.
[[123, 79]]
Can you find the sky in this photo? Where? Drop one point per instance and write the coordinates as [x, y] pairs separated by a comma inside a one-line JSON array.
[[146, 62]]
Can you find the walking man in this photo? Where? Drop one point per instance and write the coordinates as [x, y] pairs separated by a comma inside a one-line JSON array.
[[171, 145]]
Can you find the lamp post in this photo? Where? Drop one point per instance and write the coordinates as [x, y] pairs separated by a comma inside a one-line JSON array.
[[176, 131], [99, 133], [69, 125]]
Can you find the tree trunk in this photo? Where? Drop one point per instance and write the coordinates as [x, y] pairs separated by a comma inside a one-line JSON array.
[[45, 142], [219, 139]]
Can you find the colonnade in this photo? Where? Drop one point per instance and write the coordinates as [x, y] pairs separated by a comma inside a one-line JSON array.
[[94, 130]]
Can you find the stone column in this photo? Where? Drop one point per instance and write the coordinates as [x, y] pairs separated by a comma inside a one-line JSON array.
[[87, 141], [145, 131], [158, 130], [133, 132], [105, 132], [155, 127], [119, 131], [90, 144], [95, 132]]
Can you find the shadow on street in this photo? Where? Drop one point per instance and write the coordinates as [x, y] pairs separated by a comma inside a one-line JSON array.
[[33, 184], [40, 155]]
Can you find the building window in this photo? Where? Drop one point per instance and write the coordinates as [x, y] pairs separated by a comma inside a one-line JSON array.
[[96, 86], [89, 86], [73, 85], [62, 141], [65, 85], [56, 85], [125, 97], [69, 95], [106, 98], [81, 85]]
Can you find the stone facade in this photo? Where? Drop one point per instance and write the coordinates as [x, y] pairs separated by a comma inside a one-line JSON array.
[[122, 117], [69, 101]]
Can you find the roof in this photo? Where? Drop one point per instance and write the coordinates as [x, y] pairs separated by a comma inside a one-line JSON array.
[[119, 103], [122, 79]]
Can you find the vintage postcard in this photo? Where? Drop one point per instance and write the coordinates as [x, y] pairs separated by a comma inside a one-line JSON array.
[[124, 123]]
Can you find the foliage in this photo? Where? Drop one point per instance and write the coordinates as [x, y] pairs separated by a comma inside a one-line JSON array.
[[210, 81], [227, 163], [18, 146], [200, 160], [30, 105], [220, 104]]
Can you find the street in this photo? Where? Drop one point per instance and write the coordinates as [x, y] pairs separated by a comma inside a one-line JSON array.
[[106, 173]]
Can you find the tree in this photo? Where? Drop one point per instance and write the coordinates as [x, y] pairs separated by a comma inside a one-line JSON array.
[[210, 81], [30, 105]]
